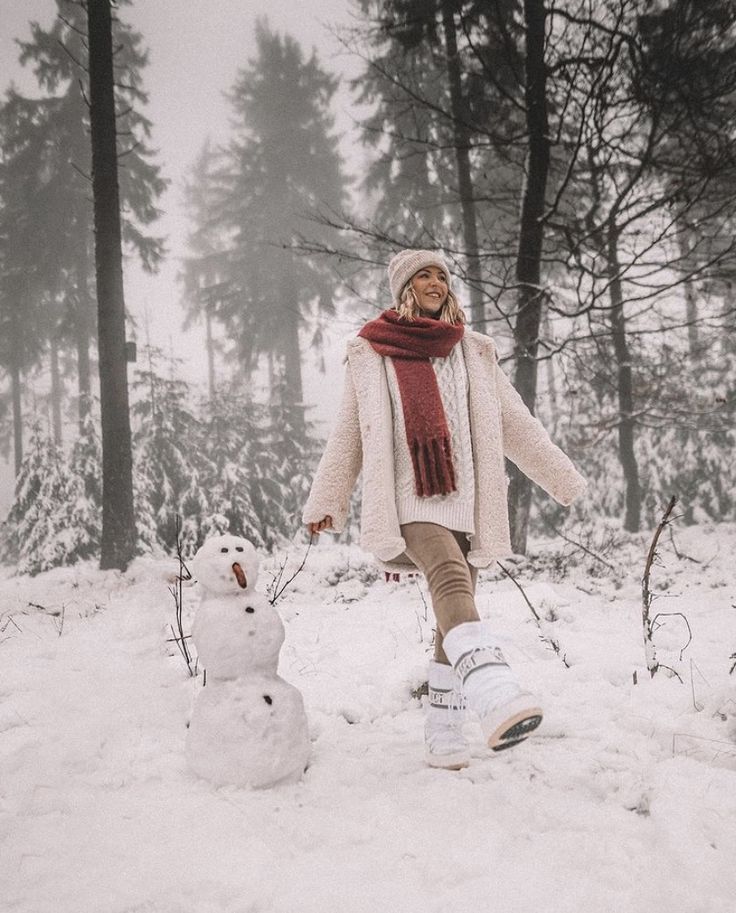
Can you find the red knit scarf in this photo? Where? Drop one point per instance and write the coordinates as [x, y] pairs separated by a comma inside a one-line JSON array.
[[410, 345]]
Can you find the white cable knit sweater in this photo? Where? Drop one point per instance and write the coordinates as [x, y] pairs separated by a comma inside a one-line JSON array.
[[455, 510]]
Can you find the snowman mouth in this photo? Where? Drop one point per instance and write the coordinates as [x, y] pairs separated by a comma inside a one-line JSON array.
[[240, 576]]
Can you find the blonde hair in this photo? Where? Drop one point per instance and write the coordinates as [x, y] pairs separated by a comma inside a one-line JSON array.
[[409, 309]]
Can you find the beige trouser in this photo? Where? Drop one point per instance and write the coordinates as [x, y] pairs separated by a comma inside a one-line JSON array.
[[440, 554]]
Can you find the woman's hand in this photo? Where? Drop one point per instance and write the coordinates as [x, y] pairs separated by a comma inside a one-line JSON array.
[[316, 528]]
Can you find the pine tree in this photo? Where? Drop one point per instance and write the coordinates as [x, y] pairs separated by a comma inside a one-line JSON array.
[[41, 485], [404, 85], [205, 268], [23, 202], [240, 471], [166, 443], [60, 127], [283, 167], [233, 465], [199, 516], [85, 460], [55, 518]]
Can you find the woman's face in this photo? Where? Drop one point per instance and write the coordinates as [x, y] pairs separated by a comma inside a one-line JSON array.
[[430, 287]]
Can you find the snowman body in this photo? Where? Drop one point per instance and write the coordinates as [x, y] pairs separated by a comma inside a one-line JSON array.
[[249, 731], [248, 727], [255, 635]]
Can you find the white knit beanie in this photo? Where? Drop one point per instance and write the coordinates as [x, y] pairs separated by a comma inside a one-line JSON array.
[[408, 262]]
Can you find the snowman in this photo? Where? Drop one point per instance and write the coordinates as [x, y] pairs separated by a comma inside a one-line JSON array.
[[248, 727]]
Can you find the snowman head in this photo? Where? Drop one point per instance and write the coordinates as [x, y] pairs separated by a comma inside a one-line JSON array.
[[226, 564]]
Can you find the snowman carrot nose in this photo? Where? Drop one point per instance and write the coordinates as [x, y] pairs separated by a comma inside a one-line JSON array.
[[240, 575]]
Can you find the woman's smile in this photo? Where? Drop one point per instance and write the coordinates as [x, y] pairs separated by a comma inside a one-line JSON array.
[[430, 288]]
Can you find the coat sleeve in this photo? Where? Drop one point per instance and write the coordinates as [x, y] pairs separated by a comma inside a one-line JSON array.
[[526, 443], [340, 465]]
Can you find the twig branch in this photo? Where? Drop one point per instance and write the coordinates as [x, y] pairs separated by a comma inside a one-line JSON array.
[[543, 634], [424, 601], [10, 620], [179, 637], [650, 652], [681, 554], [687, 623], [279, 588], [673, 671], [71, 56], [584, 548]]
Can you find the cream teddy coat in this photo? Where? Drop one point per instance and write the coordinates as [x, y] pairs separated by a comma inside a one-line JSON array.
[[362, 437]]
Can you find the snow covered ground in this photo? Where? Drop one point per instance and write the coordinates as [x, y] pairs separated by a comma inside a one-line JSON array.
[[625, 800]]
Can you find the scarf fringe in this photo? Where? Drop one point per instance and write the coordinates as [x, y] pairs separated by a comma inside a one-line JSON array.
[[434, 473]]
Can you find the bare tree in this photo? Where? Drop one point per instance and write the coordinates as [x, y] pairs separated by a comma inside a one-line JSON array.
[[531, 233], [659, 91]]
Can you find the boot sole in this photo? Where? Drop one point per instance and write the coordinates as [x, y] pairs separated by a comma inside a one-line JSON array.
[[515, 729], [455, 761]]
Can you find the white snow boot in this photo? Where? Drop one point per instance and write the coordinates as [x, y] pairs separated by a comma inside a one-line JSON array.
[[445, 744], [507, 713]]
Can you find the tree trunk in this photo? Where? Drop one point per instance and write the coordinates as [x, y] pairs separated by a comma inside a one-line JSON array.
[[17, 415], [691, 301], [293, 388], [81, 340], [529, 257], [118, 524], [16, 387], [691, 310], [210, 345], [56, 393], [627, 456], [551, 378], [462, 154], [293, 378]]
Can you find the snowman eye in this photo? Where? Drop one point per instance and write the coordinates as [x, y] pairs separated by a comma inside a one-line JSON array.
[[249, 609], [224, 549], [238, 548], [268, 699]]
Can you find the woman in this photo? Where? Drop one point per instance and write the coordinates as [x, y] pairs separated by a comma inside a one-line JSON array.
[[428, 415]]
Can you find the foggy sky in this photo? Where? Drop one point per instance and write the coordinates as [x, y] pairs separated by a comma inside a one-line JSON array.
[[194, 59]]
